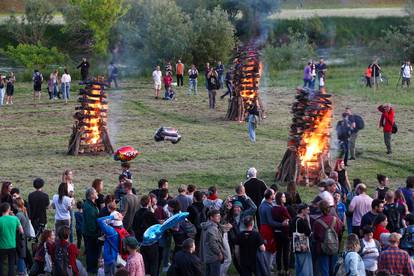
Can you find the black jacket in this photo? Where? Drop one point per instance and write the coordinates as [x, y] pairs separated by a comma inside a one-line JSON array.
[[255, 189], [187, 264], [143, 219]]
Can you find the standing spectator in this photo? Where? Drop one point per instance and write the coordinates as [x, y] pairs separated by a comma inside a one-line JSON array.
[[11, 79], [220, 74], [255, 189], [207, 69], [190, 191], [5, 194], [192, 79], [67, 177], [179, 70], [90, 230], [2, 89], [360, 205], [62, 205], [183, 199], [105, 211], [37, 85], [248, 243], [248, 206], [280, 213], [370, 249], [340, 207], [382, 188], [135, 264], [45, 245], [376, 72], [98, 185], [113, 74], [321, 70], [380, 224], [406, 72], [156, 78], [168, 67], [343, 131], [22, 249], [112, 241], [130, 204], [343, 179], [186, 262], [312, 66], [292, 195], [357, 124], [65, 80], [368, 76], [84, 66], [65, 254], [212, 247], [197, 215], [354, 266], [212, 86], [408, 193], [167, 82], [38, 204], [9, 226], [125, 166], [369, 218], [387, 123], [144, 219], [326, 260], [213, 202], [252, 119], [400, 199], [301, 224], [395, 260], [53, 83], [307, 76], [395, 213], [162, 184], [79, 223], [229, 83]]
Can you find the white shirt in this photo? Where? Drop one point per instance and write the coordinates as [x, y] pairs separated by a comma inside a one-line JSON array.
[[370, 259], [62, 208], [407, 70], [66, 78], [156, 76]]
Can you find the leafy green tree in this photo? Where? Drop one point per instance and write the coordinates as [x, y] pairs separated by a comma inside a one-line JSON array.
[[213, 37], [31, 26], [99, 16], [154, 31], [35, 56]]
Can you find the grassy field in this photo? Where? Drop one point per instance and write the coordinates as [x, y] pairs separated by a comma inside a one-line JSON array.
[[337, 4], [212, 151]]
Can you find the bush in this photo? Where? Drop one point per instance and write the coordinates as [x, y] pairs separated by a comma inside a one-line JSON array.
[[35, 56]]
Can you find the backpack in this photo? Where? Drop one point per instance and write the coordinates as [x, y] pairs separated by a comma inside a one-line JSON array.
[[359, 122], [330, 245], [61, 265], [339, 269], [343, 130], [38, 79], [392, 211], [185, 230], [407, 240], [123, 233]]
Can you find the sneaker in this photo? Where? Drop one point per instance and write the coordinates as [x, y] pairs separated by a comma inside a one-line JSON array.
[[165, 269]]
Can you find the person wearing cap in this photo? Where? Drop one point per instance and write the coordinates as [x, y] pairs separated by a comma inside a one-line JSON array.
[[135, 263], [359, 206], [301, 224], [182, 197], [394, 259], [328, 188], [387, 123], [186, 262], [112, 240], [255, 189]]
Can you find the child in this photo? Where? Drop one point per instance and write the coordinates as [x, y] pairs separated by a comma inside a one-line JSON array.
[[340, 207], [135, 263], [79, 223], [10, 88], [169, 94], [382, 188], [125, 170], [119, 190]]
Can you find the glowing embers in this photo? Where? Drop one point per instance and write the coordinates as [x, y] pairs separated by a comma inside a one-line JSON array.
[[90, 133]]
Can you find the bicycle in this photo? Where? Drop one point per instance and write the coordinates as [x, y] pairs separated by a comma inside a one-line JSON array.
[[382, 80]]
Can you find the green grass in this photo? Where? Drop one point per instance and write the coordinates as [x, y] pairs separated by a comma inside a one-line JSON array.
[[337, 4]]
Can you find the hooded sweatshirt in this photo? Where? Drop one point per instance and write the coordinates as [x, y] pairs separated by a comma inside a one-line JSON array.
[[211, 245]]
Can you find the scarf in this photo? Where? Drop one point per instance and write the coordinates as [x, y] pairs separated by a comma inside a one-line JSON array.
[[212, 197]]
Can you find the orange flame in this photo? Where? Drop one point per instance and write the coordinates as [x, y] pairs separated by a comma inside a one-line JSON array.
[[92, 128]]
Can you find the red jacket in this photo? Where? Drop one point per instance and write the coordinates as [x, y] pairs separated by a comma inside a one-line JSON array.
[[168, 80], [319, 230], [387, 119], [379, 229]]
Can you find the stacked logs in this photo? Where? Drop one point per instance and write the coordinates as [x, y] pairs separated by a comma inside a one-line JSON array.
[[306, 160], [246, 77], [90, 131]]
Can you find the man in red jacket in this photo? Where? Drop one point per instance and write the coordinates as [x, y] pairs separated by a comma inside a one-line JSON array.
[[387, 122]]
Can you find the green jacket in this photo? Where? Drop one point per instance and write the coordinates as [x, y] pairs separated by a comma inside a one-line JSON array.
[[90, 216]]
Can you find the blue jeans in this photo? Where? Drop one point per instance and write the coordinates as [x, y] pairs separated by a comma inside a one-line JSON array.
[[312, 84], [2, 90], [192, 86], [326, 264], [251, 126], [66, 90], [21, 265], [306, 83], [110, 269], [303, 264], [55, 90], [345, 150], [213, 269]]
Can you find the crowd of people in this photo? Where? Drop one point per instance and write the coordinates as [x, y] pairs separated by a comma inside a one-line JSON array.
[[258, 230]]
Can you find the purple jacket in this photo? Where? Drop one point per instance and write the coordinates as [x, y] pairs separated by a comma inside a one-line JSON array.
[[307, 73]]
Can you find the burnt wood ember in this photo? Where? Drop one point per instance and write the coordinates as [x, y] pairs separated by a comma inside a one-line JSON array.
[[306, 159], [90, 132]]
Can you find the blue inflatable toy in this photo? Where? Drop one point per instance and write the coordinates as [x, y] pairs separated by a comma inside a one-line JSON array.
[[154, 233]]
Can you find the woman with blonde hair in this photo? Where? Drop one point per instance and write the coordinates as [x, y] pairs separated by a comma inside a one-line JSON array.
[[354, 266], [22, 238], [67, 178]]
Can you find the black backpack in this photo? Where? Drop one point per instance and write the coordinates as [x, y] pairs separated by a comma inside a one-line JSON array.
[[61, 265], [38, 79], [392, 211], [359, 122]]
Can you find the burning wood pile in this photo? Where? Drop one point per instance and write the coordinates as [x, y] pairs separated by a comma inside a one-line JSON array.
[[246, 78], [90, 132], [306, 160]]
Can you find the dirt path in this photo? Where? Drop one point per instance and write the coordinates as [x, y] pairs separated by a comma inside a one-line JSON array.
[[348, 12]]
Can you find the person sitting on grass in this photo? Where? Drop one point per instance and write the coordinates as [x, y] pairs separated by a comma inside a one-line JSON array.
[[135, 263], [169, 94]]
